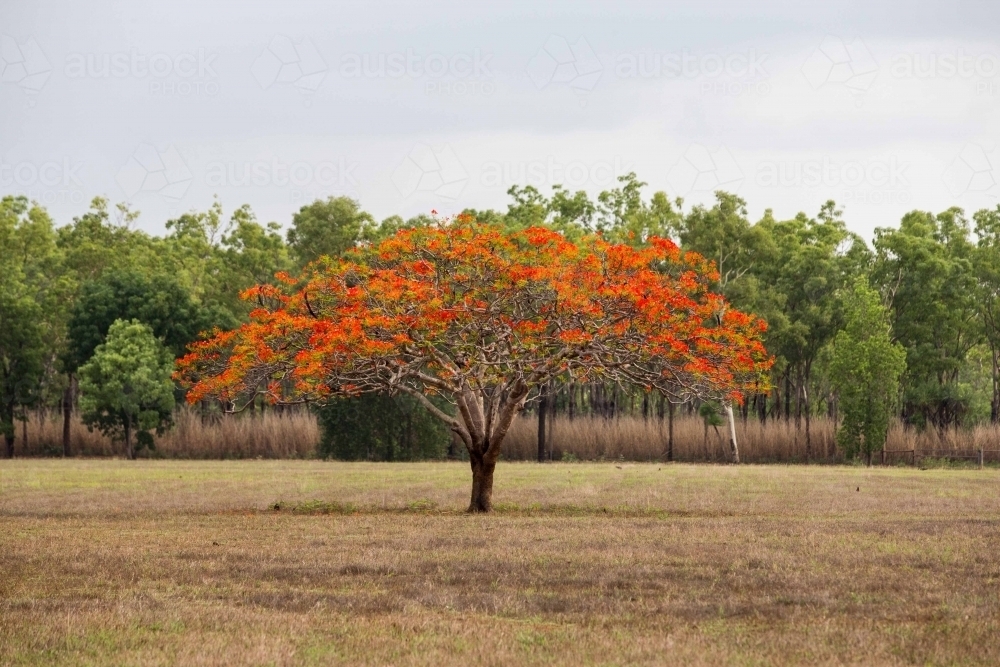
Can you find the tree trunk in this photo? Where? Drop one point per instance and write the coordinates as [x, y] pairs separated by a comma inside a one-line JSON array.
[[129, 449], [798, 403], [24, 435], [805, 399], [732, 433], [704, 441], [776, 408], [670, 431], [482, 484], [788, 396], [995, 403], [807, 376], [9, 429], [543, 404], [67, 406], [550, 441]]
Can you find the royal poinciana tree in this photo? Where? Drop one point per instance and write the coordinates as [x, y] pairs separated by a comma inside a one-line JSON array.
[[481, 316]]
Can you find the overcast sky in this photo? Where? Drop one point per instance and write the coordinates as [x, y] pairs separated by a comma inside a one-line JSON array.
[[882, 106]]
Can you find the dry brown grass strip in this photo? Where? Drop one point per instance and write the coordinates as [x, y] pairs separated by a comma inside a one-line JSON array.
[[271, 435], [295, 434]]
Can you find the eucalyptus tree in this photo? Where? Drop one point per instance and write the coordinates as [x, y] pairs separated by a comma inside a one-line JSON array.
[[986, 261], [925, 271], [816, 259], [865, 369], [33, 291], [326, 227]]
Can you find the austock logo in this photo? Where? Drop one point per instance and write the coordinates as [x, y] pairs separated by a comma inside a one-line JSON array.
[[429, 170], [290, 62], [830, 173], [265, 173], [559, 62], [869, 181], [23, 65], [552, 171], [839, 63], [48, 182], [410, 64], [170, 74], [687, 65], [702, 170], [445, 74], [729, 74], [152, 171], [577, 67], [975, 169], [186, 65], [944, 65], [303, 180]]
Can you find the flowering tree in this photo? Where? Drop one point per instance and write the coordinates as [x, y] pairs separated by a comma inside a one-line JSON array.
[[481, 316]]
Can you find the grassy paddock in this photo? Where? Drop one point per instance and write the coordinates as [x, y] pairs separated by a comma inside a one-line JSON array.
[[187, 562]]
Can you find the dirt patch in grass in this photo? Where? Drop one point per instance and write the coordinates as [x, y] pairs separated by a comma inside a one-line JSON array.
[[109, 563]]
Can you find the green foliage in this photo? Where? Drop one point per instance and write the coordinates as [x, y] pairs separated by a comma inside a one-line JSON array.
[[986, 264], [865, 369], [126, 387], [22, 355], [620, 214], [95, 243], [216, 261], [528, 208], [624, 217], [710, 413], [939, 275], [315, 506], [372, 233], [925, 270], [377, 427], [326, 227], [158, 301], [809, 273], [32, 325]]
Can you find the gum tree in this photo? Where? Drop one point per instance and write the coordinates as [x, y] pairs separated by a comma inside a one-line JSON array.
[[481, 316], [865, 369], [33, 287], [925, 270]]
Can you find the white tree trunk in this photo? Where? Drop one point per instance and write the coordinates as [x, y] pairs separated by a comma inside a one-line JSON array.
[[732, 433]]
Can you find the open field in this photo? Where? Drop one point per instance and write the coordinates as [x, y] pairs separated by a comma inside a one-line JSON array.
[[184, 562]]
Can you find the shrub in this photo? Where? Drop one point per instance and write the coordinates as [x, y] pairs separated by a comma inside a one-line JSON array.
[[378, 427]]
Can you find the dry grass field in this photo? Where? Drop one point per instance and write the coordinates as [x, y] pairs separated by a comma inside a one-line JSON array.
[[187, 562], [295, 434]]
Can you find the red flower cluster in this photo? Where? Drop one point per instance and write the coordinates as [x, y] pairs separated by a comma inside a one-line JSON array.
[[474, 312]]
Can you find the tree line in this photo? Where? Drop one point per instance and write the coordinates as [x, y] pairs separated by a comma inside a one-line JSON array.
[[78, 299]]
